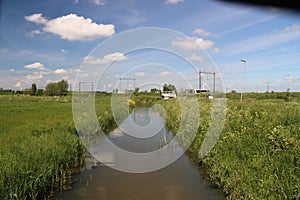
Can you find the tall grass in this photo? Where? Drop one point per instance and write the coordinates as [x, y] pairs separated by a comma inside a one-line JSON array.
[[39, 145], [257, 155]]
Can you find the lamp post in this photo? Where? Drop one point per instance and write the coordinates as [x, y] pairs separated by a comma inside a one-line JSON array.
[[244, 61]]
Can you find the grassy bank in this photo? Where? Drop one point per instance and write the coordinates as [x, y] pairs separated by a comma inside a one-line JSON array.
[[39, 145], [257, 155]]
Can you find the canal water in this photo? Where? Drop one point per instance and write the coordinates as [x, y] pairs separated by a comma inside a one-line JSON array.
[[179, 180]]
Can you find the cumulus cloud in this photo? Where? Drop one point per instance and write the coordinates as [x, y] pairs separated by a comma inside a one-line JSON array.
[[106, 59], [173, 1], [18, 84], [63, 51], [60, 71], [200, 31], [140, 74], [192, 43], [12, 70], [36, 18], [98, 2], [194, 57], [32, 77], [73, 27], [36, 32], [36, 65], [165, 73]]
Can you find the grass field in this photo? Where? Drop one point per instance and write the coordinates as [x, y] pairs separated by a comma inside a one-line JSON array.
[[258, 153], [39, 145], [256, 157]]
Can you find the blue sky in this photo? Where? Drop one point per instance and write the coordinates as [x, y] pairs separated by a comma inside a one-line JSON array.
[[46, 41]]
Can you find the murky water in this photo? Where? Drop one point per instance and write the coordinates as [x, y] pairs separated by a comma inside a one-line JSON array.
[[180, 180]]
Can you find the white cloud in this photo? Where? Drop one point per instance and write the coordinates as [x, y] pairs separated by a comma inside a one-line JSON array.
[[76, 1], [289, 78], [60, 71], [140, 74], [200, 31], [73, 27], [216, 50], [106, 59], [173, 1], [18, 84], [63, 51], [294, 27], [98, 2], [12, 70], [36, 18], [267, 80], [192, 43], [36, 32], [95, 73], [36, 65], [165, 73], [31, 77], [194, 57]]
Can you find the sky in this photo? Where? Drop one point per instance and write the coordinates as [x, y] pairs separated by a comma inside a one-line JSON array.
[[46, 41]]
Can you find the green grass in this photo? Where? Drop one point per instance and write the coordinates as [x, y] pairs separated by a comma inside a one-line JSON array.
[[39, 145], [257, 155]]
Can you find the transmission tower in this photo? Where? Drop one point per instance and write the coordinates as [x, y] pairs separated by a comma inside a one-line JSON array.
[[208, 73], [126, 78], [88, 83]]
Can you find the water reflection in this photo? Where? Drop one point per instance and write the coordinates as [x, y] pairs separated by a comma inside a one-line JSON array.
[[180, 180]]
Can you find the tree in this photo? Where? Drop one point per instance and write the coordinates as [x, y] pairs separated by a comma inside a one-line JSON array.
[[154, 90], [33, 89], [136, 90], [169, 87], [27, 91], [39, 92], [57, 89], [63, 87]]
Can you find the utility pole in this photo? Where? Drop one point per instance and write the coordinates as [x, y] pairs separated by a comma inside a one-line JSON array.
[[244, 61], [199, 81]]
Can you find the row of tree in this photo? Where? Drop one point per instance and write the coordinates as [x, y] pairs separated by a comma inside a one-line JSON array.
[[59, 88]]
